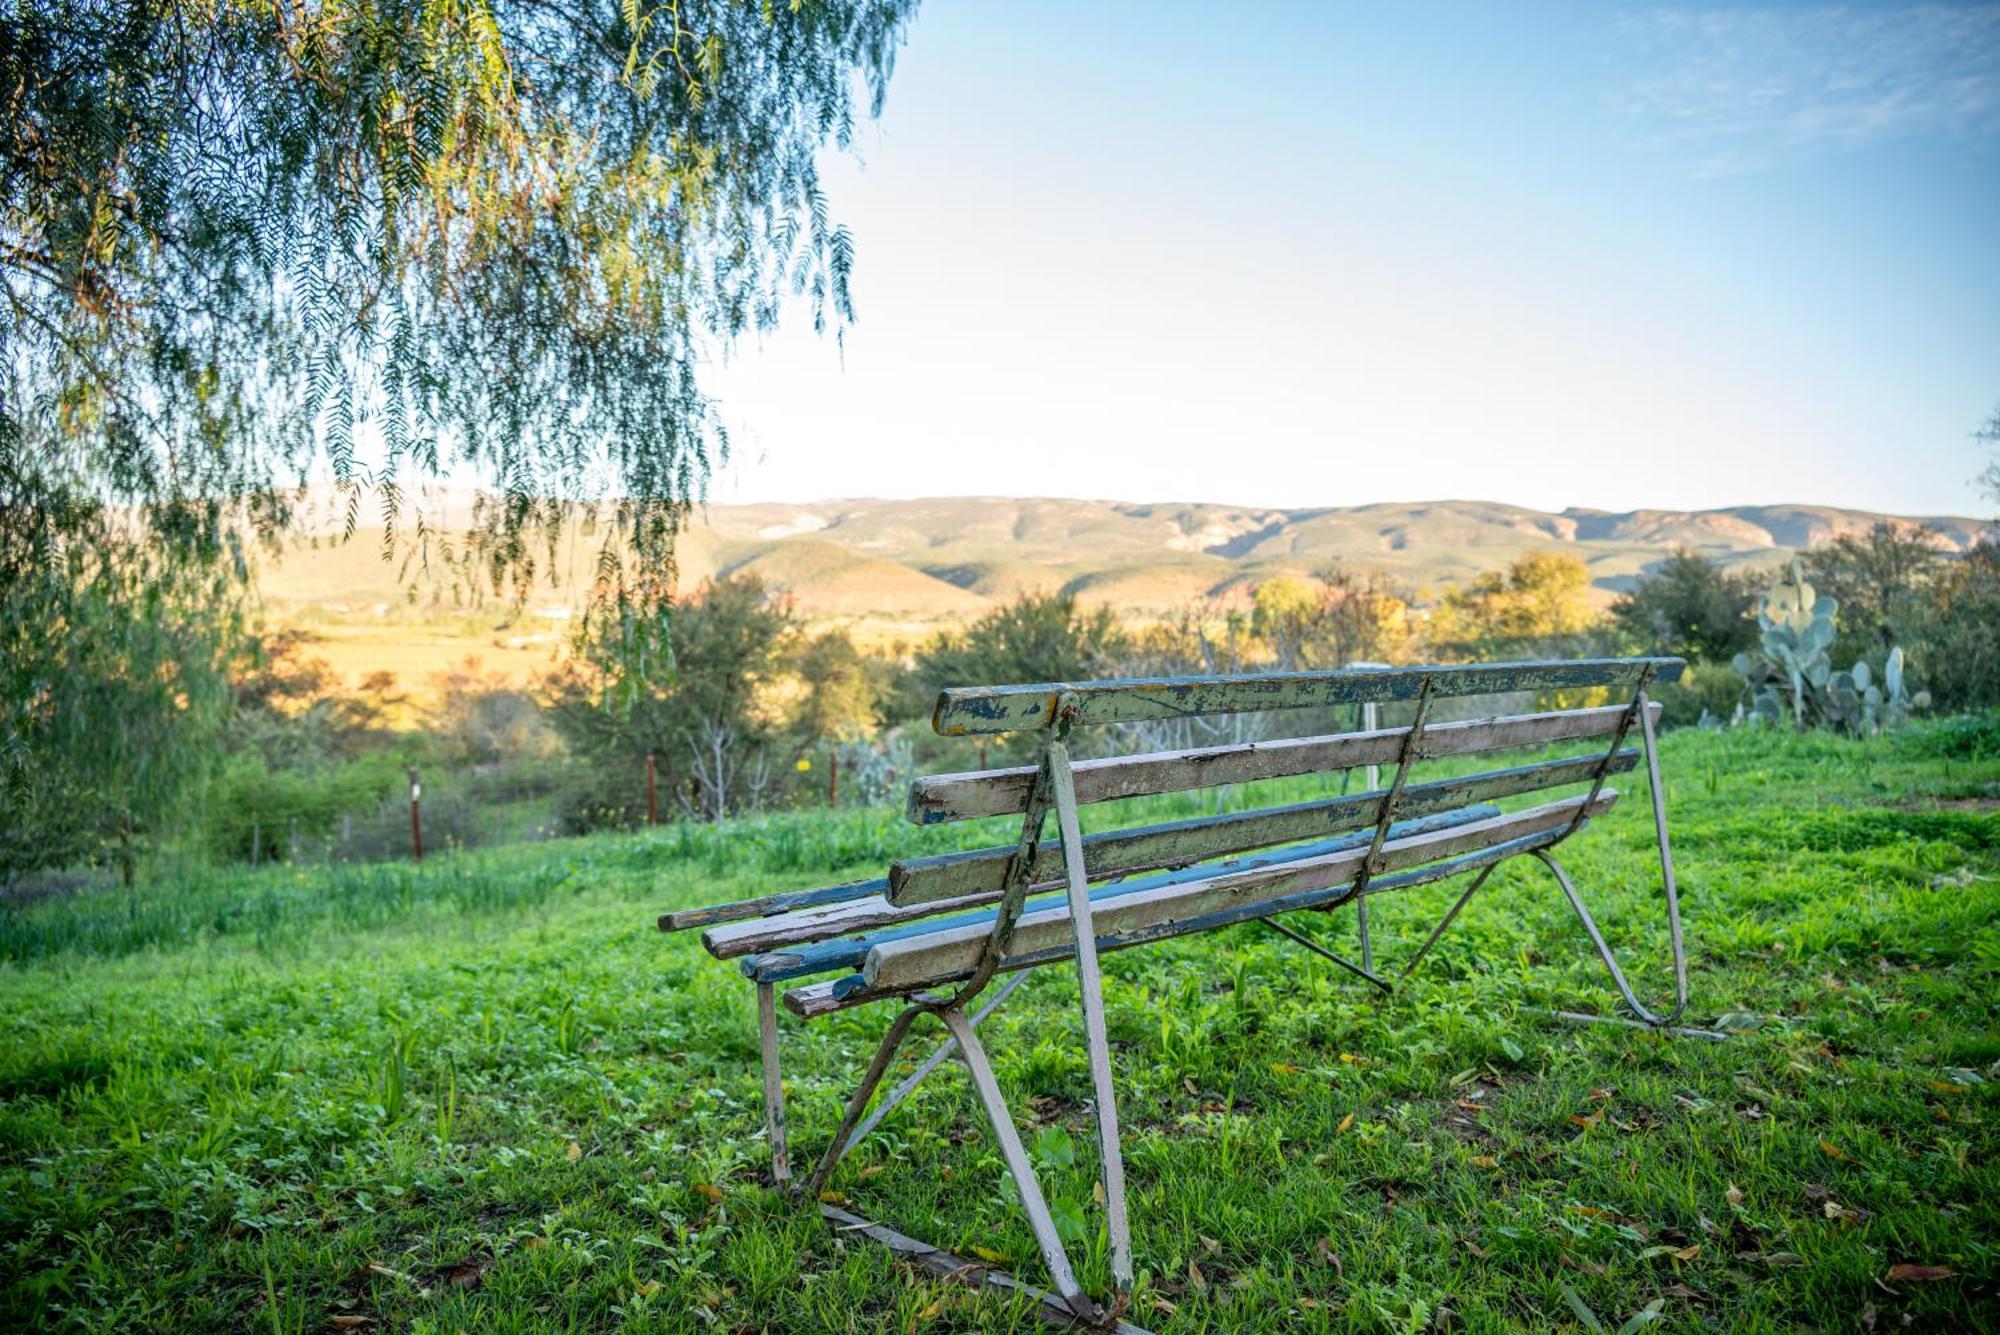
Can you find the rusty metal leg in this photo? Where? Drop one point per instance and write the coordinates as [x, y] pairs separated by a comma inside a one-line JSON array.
[[1294, 934], [1604, 949], [932, 1062], [774, 1088], [1091, 983], [973, 1053], [899, 1029], [1451, 914]]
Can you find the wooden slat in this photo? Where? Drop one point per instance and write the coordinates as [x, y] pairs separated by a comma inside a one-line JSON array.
[[1000, 792], [947, 953], [783, 902], [731, 940], [785, 963], [968, 710], [981, 872], [835, 994]]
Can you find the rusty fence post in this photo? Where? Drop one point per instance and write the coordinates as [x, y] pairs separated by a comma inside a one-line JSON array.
[[416, 817]]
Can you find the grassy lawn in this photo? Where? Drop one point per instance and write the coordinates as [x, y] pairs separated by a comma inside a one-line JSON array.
[[486, 1094]]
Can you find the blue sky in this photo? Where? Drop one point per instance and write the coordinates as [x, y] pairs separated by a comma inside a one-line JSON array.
[[1332, 254]]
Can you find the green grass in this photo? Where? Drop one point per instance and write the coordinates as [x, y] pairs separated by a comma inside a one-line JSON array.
[[484, 1094]]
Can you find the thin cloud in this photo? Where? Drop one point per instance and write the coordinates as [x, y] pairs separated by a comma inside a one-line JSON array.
[[1743, 89]]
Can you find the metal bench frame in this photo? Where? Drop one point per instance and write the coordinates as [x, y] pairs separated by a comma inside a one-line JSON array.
[[1054, 791]]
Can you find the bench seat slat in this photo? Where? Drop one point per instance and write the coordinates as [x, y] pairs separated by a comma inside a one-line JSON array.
[[835, 994], [984, 710], [783, 902], [955, 876], [844, 952], [1003, 792], [804, 926], [941, 953]]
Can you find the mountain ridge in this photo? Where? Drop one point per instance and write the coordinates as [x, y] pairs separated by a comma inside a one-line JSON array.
[[896, 571]]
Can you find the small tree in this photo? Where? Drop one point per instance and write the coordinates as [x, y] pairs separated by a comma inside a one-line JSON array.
[[1037, 638], [1880, 580], [709, 723], [842, 703], [1541, 605], [1340, 616], [1692, 608]]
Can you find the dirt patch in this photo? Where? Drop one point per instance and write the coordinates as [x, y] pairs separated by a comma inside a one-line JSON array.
[[1979, 805]]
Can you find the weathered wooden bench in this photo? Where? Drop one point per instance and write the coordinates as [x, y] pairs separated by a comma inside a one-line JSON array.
[[936, 931]]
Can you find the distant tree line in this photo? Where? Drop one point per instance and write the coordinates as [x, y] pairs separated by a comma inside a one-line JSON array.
[[759, 712]]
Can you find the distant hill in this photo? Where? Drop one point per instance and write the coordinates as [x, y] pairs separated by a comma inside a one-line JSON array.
[[899, 570]]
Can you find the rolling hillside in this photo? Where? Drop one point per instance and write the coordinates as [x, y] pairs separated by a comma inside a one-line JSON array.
[[899, 570]]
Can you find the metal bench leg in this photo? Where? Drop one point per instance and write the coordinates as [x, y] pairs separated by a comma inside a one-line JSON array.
[[932, 1062], [1091, 983], [774, 1088], [973, 1054], [1676, 942], [899, 1029]]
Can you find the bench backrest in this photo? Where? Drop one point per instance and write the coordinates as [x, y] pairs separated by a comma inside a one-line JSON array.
[[919, 925]]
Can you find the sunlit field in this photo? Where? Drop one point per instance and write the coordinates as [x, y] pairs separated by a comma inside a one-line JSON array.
[[485, 1094]]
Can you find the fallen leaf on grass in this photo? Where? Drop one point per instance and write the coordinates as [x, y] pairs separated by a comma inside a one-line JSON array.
[[870, 1171], [1196, 1278], [831, 1197], [1164, 1307], [709, 1191], [1474, 1248], [1578, 1119], [1949, 1087], [1678, 1253], [1918, 1273], [988, 1254], [575, 1151], [1284, 1068], [1323, 1249], [350, 1322], [1484, 1161], [1734, 1195], [1345, 1123], [1831, 1150], [932, 1312]]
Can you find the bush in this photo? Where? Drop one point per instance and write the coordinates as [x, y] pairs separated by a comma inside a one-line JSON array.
[[1967, 737], [1705, 690]]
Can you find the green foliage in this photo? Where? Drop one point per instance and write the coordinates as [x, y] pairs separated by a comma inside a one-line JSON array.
[[1539, 607], [718, 745], [844, 690], [1797, 625], [1707, 694], [1881, 581], [505, 234], [1038, 637], [1955, 641], [1340, 616], [1690, 608], [505, 237], [112, 677], [268, 1098]]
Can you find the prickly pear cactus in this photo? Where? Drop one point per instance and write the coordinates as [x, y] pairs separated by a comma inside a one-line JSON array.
[[1796, 629], [1796, 626]]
